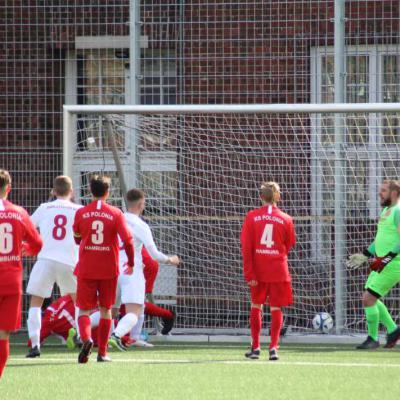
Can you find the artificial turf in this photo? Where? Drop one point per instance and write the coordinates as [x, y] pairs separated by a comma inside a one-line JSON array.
[[205, 371]]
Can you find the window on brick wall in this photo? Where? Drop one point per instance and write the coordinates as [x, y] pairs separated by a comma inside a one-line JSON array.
[[372, 75], [101, 76]]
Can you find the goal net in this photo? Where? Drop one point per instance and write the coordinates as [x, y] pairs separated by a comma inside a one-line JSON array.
[[201, 172]]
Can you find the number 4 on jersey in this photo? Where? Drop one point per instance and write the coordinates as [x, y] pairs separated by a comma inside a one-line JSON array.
[[266, 237]]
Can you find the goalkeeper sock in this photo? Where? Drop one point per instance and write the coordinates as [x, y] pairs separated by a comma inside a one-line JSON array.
[[372, 316], [156, 311], [84, 327], [385, 318], [255, 327], [103, 335], [34, 325], [276, 326], [4, 353]]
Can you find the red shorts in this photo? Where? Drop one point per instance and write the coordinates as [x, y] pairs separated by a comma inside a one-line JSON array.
[[10, 312], [279, 294], [92, 293]]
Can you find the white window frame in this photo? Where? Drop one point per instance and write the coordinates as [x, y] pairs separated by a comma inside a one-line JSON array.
[[375, 84], [160, 160]]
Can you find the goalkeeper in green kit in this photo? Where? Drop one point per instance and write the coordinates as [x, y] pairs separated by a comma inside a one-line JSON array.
[[385, 267]]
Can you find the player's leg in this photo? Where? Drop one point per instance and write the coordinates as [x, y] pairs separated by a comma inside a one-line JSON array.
[[34, 323], [10, 320], [258, 297], [371, 311], [125, 325], [389, 277], [280, 295], [132, 295], [137, 329], [107, 296], [40, 286], [86, 300], [4, 349], [67, 282], [167, 316], [377, 286]]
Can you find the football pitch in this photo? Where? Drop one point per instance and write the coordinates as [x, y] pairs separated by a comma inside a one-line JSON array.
[[205, 371]]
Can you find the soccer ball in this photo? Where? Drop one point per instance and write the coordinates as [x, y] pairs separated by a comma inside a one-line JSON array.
[[322, 322]]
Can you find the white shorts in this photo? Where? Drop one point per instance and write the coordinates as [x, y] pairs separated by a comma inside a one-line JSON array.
[[131, 288], [45, 273]]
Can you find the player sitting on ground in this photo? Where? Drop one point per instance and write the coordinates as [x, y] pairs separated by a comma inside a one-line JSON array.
[[18, 235], [97, 227], [267, 236], [131, 288], [57, 259], [385, 269]]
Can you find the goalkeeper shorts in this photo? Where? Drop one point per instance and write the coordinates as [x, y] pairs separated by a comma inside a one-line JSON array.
[[379, 283], [279, 294]]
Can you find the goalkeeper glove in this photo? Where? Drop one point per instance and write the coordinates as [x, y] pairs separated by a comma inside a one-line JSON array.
[[380, 262], [357, 260]]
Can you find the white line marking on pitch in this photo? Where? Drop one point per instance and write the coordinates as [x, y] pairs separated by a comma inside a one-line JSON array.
[[225, 362]]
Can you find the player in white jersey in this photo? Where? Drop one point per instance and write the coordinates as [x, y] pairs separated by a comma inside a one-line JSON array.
[[57, 259], [131, 288]]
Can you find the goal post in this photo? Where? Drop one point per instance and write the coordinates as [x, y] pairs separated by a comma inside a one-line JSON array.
[[201, 167]]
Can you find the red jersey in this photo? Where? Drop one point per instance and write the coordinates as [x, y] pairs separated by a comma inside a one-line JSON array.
[[59, 317], [97, 227], [267, 236], [16, 232], [150, 270]]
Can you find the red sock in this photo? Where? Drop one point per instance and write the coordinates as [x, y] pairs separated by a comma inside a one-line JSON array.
[[255, 327], [103, 335], [156, 311], [85, 329], [276, 326], [4, 353]]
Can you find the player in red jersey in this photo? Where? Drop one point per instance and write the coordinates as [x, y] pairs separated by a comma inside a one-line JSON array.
[[96, 228], [18, 236], [267, 236]]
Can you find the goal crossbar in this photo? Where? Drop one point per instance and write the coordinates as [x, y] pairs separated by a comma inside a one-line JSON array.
[[234, 108]]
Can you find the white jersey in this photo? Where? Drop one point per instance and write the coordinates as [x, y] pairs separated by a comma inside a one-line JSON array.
[[142, 235], [55, 220]]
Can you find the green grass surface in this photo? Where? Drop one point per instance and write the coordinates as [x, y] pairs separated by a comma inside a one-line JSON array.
[[205, 371]]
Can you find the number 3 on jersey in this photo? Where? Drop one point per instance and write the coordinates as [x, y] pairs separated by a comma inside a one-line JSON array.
[[266, 237], [98, 228]]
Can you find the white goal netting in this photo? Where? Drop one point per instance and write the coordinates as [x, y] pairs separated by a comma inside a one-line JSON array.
[[201, 174]]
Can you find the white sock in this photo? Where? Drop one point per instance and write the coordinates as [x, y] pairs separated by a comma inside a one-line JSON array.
[[34, 325], [95, 319], [76, 321], [126, 324], [112, 325], [137, 329]]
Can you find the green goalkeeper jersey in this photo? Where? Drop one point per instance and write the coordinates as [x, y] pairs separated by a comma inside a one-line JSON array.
[[387, 238]]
